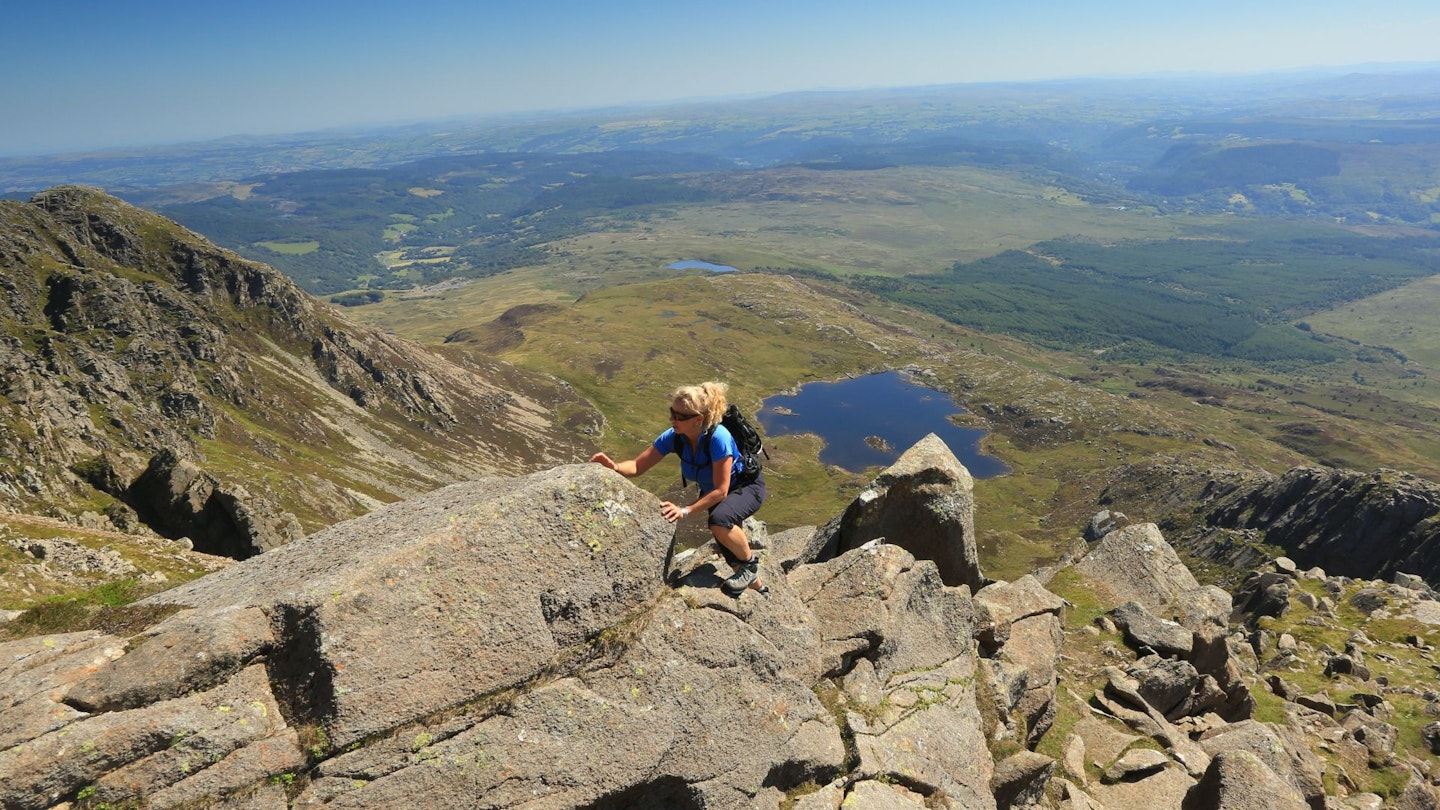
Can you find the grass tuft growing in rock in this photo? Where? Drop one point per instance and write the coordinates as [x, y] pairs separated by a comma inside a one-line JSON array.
[[106, 608]]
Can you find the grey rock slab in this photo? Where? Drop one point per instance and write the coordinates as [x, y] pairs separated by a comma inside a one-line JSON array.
[[139, 749], [1136, 763], [1021, 599], [490, 581], [247, 770], [49, 665], [36, 673], [1019, 780], [191, 651], [869, 793], [1239, 780], [1035, 644], [1143, 629], [698, 710], [930, 732], [1136, 563], [1072, 759]]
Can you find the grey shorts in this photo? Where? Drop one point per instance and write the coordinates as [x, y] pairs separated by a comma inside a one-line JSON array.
[[742, 502]]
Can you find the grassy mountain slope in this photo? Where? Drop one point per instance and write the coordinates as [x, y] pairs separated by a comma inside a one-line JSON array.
[[1211, 330], [124, 334], [625, 347]]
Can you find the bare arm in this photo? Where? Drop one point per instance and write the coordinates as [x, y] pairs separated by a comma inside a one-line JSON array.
[[721, 469], [648, 458]]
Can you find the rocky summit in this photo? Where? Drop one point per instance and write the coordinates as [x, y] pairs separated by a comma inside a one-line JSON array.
[[534, 642]]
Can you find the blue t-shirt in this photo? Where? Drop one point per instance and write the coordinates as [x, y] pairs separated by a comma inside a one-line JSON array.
[[698, 468]]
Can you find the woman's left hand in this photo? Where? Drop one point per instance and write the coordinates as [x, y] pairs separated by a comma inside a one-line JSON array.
[[671, 511]]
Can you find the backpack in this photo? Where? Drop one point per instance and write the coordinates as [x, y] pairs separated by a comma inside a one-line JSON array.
[[747, 438]]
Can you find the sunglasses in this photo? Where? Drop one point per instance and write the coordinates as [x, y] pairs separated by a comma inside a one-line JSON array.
[[676, 416]]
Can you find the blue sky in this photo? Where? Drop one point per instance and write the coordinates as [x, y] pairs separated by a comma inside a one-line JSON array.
[[82, 74]]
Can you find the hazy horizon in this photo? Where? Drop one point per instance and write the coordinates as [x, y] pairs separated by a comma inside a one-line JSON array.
[[86, 75]]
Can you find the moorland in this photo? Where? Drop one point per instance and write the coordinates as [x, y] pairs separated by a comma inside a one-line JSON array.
[[1144, 291], [1233, 272]]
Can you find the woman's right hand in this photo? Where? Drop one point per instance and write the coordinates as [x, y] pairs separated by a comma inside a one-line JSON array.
[[603, 460]]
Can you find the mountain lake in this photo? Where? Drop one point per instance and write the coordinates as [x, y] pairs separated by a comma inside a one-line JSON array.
[[696, 264], [869, 421]]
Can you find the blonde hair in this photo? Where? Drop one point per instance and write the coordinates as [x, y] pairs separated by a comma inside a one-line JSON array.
[[706, 399]]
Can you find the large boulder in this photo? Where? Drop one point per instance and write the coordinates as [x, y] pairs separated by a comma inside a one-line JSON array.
[[924, 503], [506, 643], [1173, 687], [1145, 630], [1028, 617], [1137, 564], [179, 499], [347, 636], [1239, 780], [698, 709], [1282, 751], [902, 644], [427, 603]]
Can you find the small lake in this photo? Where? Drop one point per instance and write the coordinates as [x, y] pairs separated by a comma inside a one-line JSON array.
[[696, 264], [890, 410]]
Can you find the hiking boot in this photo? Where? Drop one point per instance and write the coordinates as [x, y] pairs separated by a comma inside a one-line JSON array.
[[744, 576]]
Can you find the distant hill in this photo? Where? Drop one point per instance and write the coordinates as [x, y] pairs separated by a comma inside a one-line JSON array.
[[422, 222]]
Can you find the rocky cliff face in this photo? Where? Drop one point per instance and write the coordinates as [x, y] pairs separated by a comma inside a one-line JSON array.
[[524, 643], [1364, 525], [125, 335]]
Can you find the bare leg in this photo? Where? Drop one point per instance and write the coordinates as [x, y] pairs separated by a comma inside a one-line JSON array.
[[737, 543]]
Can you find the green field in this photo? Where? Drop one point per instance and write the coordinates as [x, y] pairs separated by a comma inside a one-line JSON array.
[[891, 221], [1406, 319], [290, 248]]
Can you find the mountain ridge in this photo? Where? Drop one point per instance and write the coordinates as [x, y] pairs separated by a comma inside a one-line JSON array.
[[126, 335]]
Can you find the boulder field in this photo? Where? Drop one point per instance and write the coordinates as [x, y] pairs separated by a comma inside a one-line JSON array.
[[537, 643]]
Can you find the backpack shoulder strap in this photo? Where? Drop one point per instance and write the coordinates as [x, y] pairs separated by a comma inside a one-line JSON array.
[[680, 452]]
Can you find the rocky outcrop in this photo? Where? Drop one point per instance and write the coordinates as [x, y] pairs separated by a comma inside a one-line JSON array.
[[126, 335], [1339, 519], [924, 502], [529, 642], [504, 641], [904, 659], [1162, 609], [1364, 525], [178, 499]]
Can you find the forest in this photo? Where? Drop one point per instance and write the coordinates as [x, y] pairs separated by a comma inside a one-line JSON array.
[[1142, 300]]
